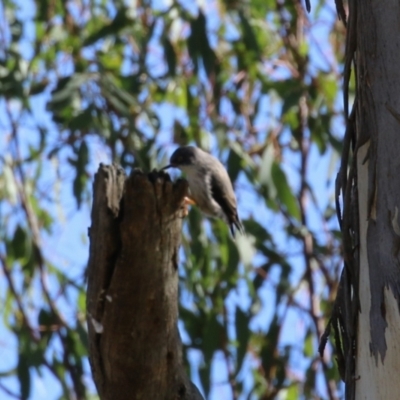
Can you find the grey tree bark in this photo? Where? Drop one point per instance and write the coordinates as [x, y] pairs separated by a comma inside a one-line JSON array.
[[366, 319], [132, 297], [377, 120]]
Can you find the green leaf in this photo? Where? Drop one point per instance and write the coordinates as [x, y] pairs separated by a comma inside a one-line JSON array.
[[213, 333], [131, 84], [309, 345], [231, 272], [192, 324], [249, 38], [42, 7], [255, 229], [284, 191], [82, 121], [65, 89], [16, 29], [170, 55], [24, 376], [204, 372], [198, 45], [265, 170], [329, 86], [234, 165], [38, 87], [211, 66], [83, 337], [47, 320], [180, 134], [120, 21], [8, 187], [66, 97], [242, 335], [118, 98], [81, 177], [310, 381], [11, 85], [293, 392], [21, 244]]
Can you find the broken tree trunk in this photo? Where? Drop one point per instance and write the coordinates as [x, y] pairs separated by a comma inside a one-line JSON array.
[[132, 297]]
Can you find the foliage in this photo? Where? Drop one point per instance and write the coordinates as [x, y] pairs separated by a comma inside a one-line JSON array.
[[253, 82]]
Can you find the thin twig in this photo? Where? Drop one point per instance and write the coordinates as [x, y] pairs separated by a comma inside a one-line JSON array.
[[7, 274]]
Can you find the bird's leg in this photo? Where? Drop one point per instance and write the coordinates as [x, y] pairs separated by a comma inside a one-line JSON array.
[[186, 202], [189, 201]]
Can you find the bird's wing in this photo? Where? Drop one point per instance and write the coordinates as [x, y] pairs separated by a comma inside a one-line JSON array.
[[227, 202]]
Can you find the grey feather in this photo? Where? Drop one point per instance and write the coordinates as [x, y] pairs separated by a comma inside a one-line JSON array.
[[209, 183]]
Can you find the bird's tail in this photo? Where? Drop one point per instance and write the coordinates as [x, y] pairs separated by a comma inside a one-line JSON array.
[[236, 225]]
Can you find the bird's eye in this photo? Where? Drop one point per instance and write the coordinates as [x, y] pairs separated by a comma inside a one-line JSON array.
[[179, 159]]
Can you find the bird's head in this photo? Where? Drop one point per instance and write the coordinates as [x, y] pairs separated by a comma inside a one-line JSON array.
[[183, 158]]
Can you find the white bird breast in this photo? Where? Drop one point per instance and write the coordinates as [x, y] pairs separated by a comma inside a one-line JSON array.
[[200, 190]]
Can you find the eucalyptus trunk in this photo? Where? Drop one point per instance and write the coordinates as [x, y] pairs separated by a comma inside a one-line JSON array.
[[366, 314]]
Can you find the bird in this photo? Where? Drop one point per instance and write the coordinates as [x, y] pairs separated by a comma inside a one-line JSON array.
[[209, 183]]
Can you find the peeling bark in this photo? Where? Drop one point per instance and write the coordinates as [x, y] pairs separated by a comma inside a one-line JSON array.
[[132, 297], [366, 318], [378, 81]]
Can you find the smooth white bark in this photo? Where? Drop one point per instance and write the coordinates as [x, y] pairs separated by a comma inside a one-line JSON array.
[[375, 380]]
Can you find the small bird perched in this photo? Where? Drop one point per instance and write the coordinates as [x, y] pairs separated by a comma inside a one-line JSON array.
[[210, 186]]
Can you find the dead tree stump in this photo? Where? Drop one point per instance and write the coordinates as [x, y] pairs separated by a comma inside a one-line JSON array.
[[135, 350]]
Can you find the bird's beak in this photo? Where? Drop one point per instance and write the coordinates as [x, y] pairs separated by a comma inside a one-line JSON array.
[[166, 167]]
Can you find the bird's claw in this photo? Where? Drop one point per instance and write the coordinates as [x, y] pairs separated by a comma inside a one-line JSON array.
[[186, 202]]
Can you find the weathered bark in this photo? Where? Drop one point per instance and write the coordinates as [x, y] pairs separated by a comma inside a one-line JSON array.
[[366, 319], [378, 88], [132, 297]]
